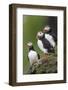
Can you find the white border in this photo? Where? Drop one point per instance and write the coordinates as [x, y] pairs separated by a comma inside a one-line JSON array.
[[38, 77]]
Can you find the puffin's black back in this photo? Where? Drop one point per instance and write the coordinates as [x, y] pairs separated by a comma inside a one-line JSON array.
[[46, 44], [54, 35]]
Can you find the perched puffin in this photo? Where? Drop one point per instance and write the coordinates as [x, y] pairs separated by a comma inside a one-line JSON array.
[[33, 56], [50, 34], [44, 44]]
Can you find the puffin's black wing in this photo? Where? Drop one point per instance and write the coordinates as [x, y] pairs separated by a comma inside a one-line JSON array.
[[54, 35], [38, 56], [47, 45]]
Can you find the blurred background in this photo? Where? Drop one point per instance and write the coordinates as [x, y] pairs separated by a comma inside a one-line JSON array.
[[31, 25]]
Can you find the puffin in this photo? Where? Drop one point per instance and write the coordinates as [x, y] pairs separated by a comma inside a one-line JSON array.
[[33, 56], [44, 45], [50, 35]]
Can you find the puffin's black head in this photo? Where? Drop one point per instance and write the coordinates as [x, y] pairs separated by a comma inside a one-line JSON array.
[[40, 35], [46, 29], [30, 46]]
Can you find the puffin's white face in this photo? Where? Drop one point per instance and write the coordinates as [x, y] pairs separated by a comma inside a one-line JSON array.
[[29, 44], [46, 28], [40, 34]]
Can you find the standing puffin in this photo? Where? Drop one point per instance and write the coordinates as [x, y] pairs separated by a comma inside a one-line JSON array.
[[44, 44], [50, 35], [33, 56]]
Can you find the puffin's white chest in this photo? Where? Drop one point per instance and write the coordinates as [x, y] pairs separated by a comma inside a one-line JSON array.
[[50, 39], [40, 45], [32, 55]]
